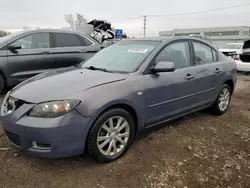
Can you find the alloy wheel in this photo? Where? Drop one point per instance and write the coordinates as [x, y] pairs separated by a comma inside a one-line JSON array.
[[113, 136], [224, 99]]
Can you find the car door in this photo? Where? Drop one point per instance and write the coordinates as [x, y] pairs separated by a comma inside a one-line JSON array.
[[169, 94], [33, 58], [209, 73], [71, 49]]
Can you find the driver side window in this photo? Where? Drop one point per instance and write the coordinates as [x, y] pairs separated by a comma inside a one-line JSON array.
[[34, 41], [178, 53]]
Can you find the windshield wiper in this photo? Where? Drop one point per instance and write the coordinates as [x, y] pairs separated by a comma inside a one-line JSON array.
[[96, 68]]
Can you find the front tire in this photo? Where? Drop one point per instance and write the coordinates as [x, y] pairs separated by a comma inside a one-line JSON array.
[[111, 135], [223, 100]]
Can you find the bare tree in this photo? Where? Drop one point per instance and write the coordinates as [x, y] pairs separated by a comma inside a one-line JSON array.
[[80, 20], [70, 19]]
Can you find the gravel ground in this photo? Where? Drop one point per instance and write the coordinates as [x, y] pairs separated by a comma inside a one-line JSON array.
[[199, 150]]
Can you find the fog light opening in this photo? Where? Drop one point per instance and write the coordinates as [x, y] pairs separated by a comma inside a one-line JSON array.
[[38, 145]]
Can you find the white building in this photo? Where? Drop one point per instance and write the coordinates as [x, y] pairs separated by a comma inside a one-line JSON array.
[[219, 35]]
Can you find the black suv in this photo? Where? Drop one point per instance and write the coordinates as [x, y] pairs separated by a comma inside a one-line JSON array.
[[25, 54]]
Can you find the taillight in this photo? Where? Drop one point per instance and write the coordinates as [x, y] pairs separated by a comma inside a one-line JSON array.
[[236, 57]]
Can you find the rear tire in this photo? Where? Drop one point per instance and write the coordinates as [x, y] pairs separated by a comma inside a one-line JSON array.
[[1, 84], [223, 100], [111, 135]]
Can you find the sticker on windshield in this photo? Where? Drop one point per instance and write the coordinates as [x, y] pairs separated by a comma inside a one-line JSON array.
[[138, 50]]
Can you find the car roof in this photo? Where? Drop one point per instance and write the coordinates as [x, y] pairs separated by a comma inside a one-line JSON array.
[[157, 38], [165, 38], [53, 31]]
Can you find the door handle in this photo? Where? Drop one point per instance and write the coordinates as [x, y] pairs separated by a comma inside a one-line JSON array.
[[189, 76], [217, 71], [46, 52]]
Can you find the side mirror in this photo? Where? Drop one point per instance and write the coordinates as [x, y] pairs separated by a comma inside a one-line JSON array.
[[14, 47], [163, 67]]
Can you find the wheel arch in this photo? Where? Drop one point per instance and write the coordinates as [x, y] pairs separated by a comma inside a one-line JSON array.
[[125, 106], [231, 84]]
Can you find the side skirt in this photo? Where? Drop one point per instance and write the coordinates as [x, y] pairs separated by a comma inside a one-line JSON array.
[[176, 117]]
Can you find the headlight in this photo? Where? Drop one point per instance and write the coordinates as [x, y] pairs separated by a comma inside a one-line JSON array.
[[53, 109]]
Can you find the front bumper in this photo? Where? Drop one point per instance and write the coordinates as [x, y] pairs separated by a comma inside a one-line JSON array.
[[65, 134]]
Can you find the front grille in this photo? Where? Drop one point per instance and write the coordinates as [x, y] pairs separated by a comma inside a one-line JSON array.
[[14, 138]]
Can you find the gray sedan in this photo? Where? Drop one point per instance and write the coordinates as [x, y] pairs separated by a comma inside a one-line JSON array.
[[128, 87], [26, 54]]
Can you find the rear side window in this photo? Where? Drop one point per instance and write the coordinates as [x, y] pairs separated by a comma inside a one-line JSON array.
[[66, 40], [203, 53]]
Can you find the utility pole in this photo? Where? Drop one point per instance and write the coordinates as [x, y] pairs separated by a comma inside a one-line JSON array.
[[144, 25]]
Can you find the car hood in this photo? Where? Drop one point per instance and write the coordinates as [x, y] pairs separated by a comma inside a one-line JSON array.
[[62, 84]]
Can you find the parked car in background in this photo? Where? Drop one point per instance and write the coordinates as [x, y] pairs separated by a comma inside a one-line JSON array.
[[232, 50], [123, 89], [240, 52], [243, 63], [26, 54]]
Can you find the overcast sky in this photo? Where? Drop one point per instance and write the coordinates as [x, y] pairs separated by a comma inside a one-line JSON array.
[[15, 14]]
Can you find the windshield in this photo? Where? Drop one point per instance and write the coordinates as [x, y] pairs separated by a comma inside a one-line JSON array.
[[233, 46], [7, 37], [122, 56]]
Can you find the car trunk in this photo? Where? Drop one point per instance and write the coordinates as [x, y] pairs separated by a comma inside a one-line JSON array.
[[245, 55], [230, 54]]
